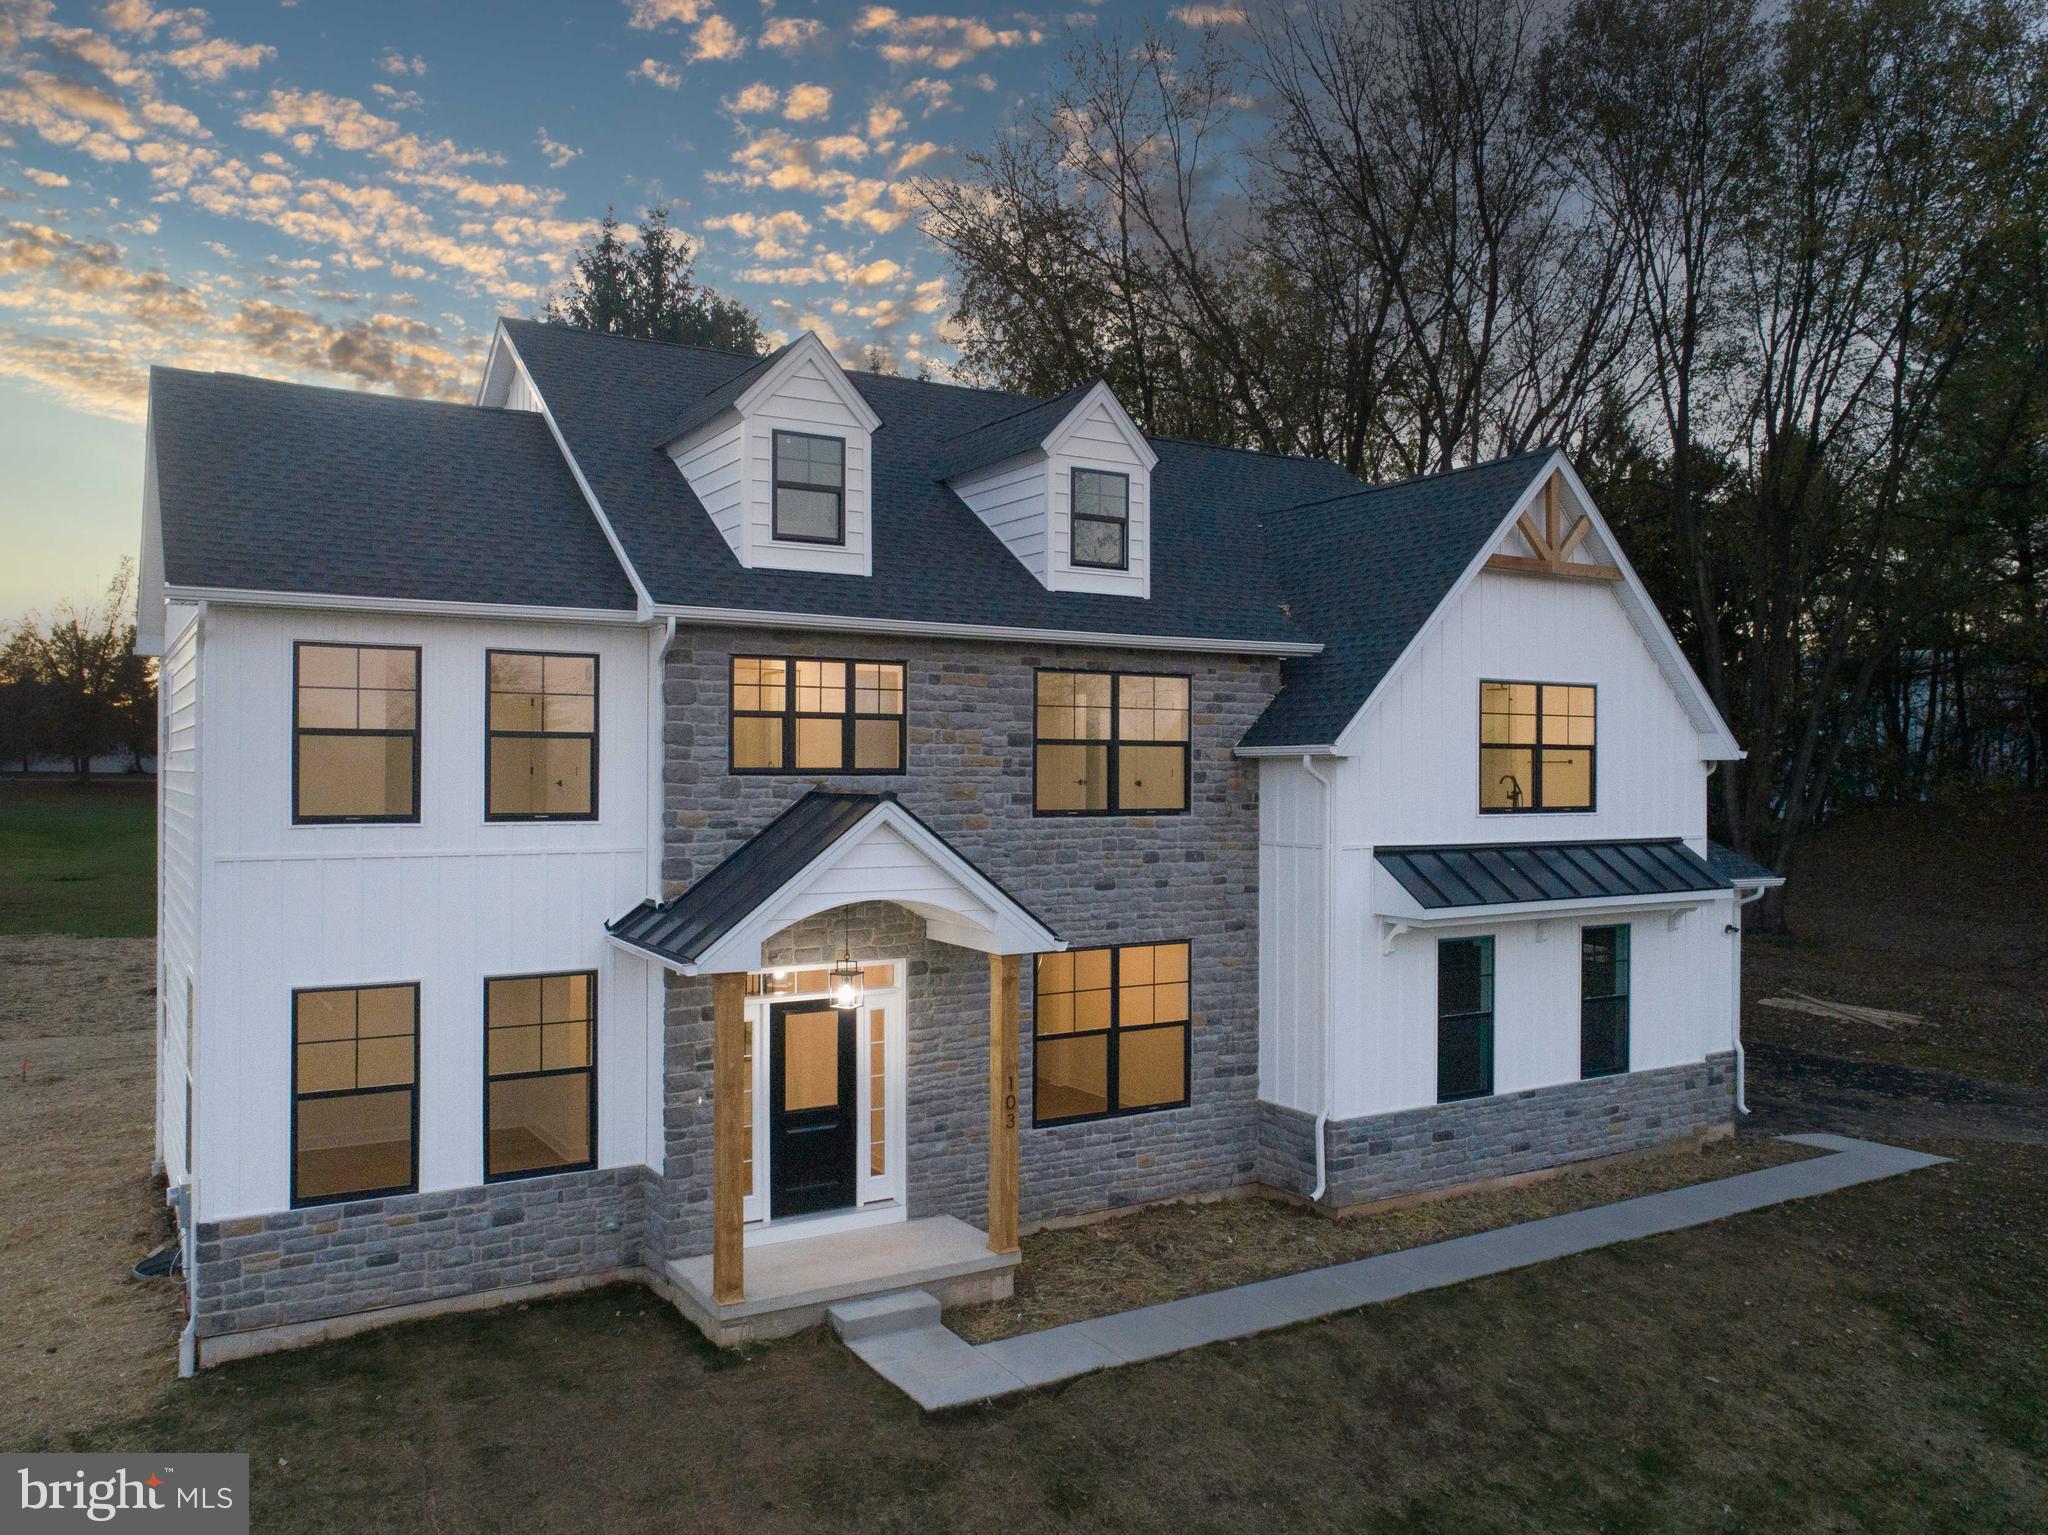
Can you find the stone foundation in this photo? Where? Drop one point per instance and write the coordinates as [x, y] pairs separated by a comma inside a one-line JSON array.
[[410, 1250], [1445, 1146]]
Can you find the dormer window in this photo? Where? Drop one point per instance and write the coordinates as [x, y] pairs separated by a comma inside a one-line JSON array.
[[810, 488], [1102, 519]]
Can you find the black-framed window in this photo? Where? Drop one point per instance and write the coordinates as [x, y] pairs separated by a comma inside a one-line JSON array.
[[1536, 746], [540, 746], [1603, 1001], [1101, 512], [540, 1074], [801, 714], [1464, 1018], [810, 488], [355, 733], [1110, 1032], [1110, 743], [355, 1092]]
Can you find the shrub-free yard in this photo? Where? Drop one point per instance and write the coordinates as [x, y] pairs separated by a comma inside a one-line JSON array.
[[78, 858], [1873, 1360]]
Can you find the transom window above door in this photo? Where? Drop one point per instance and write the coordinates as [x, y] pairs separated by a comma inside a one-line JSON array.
[[1111, 743], [810, 488], [1536, 746], [795, 714]]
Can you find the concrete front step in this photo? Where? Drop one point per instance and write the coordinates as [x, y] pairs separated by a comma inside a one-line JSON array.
[[875, 1316]]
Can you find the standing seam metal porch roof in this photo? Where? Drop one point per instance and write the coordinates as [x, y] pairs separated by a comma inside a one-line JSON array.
[[684, 929], [1524, 873]]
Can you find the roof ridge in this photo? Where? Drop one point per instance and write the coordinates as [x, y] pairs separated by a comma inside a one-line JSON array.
[[345, 391], [1413, 479]]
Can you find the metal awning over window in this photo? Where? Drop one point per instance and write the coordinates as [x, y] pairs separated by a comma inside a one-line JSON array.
[[830, 850], [1536, 879]]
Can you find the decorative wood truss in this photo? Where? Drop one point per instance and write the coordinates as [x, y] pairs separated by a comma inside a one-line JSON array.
[[1554, 543]]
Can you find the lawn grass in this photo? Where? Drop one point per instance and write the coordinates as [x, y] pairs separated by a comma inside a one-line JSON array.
[[1872, 1360], [78, 858]]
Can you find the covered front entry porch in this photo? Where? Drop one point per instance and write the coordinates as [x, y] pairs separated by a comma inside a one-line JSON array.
[[813, 999]]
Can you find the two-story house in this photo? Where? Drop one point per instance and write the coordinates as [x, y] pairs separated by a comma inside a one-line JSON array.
[[775, 832]]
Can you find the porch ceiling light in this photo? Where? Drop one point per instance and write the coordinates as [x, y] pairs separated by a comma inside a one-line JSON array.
[[849, 980]]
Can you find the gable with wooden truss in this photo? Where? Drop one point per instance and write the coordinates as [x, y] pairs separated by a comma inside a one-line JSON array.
[[1554, 536]]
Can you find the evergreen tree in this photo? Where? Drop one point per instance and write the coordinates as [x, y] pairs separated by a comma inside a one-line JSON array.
[[649, 289]]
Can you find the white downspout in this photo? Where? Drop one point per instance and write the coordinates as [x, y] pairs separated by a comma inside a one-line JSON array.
[[1329, 971], [1735, 995]]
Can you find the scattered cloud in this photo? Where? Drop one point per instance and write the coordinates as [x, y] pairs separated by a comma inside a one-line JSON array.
[[396, 63], [1207, 15], [659, 73], [915, 155], [716, 40], [943, 42], [929, 297], [557, 155], [935, 94], [49, 180], [216, 58], [883, 121], [807, 103], [753, 99], [649, 15], [787, 34], [771, 233]]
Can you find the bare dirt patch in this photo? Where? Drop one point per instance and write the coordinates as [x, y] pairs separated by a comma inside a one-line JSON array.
[[84, 1341], [1173, 1251]]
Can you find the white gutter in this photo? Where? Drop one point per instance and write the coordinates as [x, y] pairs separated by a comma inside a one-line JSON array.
[[424, 607], [1329, 976], [852, 623]]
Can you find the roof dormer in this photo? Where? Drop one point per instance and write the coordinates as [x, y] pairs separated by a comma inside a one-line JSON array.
[[779, 456], [1066, 484]]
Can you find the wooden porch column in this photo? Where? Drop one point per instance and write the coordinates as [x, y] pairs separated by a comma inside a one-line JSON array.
[[1002, 1103], [728, 1137]]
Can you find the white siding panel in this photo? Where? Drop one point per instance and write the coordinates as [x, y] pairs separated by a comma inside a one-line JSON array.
[[713, 461], [805, 401], [178, 866], [1013, 498], [445, 903], [1291, 967]]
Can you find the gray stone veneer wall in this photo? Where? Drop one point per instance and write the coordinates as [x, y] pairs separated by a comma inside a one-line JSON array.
[[1442, 1146], [1095, 880], [329, 1260]]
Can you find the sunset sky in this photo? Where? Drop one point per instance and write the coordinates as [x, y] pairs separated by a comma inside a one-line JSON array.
[[349, 193]]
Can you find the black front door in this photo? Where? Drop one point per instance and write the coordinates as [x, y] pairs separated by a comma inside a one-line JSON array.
[[810, 1109]]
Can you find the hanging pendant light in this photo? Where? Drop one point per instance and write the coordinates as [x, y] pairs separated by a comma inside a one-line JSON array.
[[849, 979]]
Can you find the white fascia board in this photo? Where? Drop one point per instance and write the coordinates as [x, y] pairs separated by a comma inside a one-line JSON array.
[[1399, 906], [604, 523], [422, 607], [808, 345], [847, 623], [1719, 743], [149, 584], [1102, 394], [1285, 751]]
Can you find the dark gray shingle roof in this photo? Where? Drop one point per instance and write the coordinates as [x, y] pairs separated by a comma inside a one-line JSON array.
[[274, 487], [1499, 874], [1363, 572], [688, 926], [724, 396], [1007, 436], [617, 400]]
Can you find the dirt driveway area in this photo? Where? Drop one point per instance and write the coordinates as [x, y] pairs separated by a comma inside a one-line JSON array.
[[84, 1341]]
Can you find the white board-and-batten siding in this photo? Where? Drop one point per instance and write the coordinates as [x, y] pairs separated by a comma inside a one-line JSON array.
[[444, 903], [1411, 776], [178, 863]]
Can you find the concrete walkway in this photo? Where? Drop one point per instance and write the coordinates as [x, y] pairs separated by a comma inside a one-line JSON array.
[[902, 1338]]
